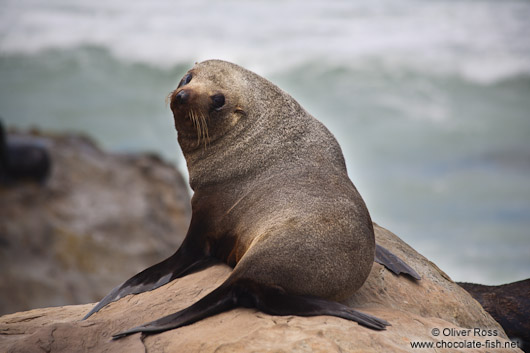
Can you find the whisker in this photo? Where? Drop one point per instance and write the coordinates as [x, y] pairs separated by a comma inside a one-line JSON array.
[[205, 132], [199, 122], [169, 97]]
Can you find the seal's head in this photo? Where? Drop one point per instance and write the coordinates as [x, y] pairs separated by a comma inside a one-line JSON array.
[[205, 104]]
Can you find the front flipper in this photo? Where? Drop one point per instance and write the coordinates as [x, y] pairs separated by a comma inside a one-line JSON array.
[[393, 263], [178, 265], [247, 293]]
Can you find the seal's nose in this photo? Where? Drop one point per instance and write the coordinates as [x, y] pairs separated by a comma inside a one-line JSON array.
[[182, 97]]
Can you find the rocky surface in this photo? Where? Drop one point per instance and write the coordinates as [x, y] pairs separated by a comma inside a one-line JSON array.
[[415, 310], [98, 219]]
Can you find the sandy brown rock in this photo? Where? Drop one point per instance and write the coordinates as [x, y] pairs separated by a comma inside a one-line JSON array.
[[98, 220], [435, 295], [413, 309]]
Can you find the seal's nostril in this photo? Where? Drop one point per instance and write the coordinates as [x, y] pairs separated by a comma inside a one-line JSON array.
[[182, 97]]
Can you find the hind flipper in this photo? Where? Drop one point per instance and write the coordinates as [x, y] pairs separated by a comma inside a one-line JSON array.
[[178, 265], [247, 293], [219, 300], [275, 301], [393, 263]]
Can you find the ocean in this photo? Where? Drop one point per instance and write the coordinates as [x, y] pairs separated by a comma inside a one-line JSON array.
[[430, 100]]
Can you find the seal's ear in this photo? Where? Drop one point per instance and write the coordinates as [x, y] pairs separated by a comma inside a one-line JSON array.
[[240, 111]]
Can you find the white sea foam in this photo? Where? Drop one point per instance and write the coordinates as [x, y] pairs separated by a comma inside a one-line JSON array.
[[480, 40]]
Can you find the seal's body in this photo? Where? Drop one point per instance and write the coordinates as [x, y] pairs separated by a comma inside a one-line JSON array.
[[271, 190], [272, 199]]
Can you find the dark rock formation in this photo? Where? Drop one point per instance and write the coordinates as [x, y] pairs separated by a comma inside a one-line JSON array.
[[509, 304], [22, 159]]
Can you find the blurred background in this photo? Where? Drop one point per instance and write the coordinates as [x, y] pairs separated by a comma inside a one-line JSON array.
[[430, 100]]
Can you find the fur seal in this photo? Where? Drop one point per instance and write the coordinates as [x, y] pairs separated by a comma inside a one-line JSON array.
[[272, 199]]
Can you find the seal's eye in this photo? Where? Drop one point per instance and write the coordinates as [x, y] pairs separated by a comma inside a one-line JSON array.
[[218, 100], [185, 80]]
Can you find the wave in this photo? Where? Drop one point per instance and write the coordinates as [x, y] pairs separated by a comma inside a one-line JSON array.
[[481, 40]]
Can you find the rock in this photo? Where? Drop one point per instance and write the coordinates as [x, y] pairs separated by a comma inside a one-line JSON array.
[[98, 220], [22, 160], [415, 310], [509, 304]]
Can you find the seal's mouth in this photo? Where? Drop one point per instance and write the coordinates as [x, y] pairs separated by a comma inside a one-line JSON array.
[[189, 119]]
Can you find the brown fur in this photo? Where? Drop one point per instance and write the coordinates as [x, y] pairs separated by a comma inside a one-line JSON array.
[[271, 187]]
